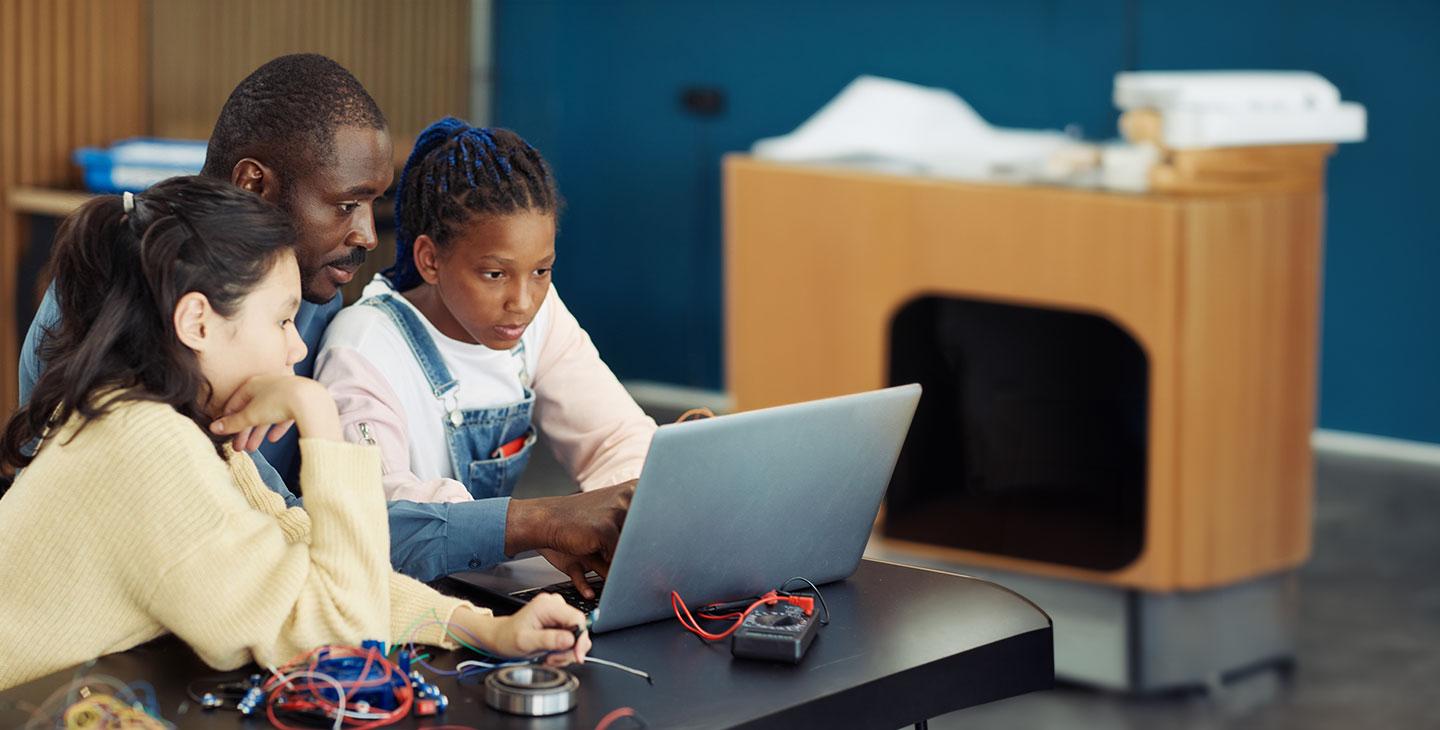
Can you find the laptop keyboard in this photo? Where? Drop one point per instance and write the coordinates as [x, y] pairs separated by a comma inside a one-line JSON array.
[[568, 591]]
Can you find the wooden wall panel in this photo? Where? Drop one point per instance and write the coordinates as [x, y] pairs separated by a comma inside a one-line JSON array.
[[413, 57], [72, 73], [90, 72]]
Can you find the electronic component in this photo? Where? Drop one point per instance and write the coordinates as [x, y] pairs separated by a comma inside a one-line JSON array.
[[780, 632], [254, 699], [331, 684], [531, 690], [776, 626], [429, 700]]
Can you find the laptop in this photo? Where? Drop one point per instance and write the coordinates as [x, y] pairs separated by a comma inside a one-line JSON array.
[[732, 506]]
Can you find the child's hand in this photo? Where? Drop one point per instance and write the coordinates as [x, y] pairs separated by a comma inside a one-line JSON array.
[[269, 404], [546, 623]]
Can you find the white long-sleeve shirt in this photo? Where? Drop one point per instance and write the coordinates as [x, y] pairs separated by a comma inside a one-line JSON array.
[[582, 411]]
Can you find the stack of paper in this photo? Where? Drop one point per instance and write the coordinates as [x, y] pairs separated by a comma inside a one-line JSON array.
[[1200, 109], [1230, 131]]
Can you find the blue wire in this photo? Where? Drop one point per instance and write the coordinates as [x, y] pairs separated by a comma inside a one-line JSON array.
[[152, 705]]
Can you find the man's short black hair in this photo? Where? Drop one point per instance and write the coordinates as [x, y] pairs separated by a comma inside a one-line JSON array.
[[285, 114]]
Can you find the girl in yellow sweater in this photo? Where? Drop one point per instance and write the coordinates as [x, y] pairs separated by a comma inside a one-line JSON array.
[[134, 517]]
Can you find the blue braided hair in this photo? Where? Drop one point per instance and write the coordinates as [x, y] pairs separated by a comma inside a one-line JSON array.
[[457, 173]]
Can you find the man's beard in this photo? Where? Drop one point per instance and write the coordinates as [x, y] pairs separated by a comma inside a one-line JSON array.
[[353, 260], [349, 261]]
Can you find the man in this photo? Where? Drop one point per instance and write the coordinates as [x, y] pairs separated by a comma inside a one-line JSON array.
[[302, 133]]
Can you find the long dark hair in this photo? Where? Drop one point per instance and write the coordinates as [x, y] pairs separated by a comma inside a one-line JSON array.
[[119, 275], [457, 173]]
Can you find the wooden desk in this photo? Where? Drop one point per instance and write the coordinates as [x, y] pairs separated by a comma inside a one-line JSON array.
[[1222, 293]]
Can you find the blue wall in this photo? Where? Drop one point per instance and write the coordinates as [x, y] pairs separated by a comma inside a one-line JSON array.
[[596, 86]]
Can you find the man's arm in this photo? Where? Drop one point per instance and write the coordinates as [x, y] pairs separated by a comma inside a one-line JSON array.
[[428, 539], [272, 479], [431, 539], [46, 317]]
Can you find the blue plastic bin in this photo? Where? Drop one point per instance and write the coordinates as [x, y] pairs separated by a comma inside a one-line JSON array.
[[136, 164]]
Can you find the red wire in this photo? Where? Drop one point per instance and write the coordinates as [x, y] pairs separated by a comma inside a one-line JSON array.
[[404, 694], [325, 704], [718, 617], [364, 675], [688, 621], [614, 715]]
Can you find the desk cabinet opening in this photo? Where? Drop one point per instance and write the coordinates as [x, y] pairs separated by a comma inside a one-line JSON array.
[[1031, 438]]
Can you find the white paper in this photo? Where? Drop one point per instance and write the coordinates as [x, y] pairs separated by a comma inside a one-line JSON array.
[[893, 126]]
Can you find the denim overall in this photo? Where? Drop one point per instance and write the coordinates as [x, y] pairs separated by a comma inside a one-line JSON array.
[[479, 439]]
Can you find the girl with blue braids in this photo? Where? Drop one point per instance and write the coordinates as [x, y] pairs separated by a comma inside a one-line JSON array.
[[461, 356]]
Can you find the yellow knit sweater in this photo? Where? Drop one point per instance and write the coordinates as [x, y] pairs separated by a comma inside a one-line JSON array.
[[136, 528]]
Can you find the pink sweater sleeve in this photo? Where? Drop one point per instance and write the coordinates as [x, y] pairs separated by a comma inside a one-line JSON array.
[[370, 413], [593, 425]]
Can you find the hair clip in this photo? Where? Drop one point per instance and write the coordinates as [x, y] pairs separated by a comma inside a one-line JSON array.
[[127, 201]]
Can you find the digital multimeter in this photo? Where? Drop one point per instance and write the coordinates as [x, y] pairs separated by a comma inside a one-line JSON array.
[[779, 633]]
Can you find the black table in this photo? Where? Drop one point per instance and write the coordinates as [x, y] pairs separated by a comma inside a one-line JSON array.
[[904, 645]]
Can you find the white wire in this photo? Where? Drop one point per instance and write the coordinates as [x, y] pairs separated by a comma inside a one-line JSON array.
[[617, 665], [464, 666]]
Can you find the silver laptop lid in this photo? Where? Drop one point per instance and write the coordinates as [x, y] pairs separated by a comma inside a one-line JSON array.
[[732, 506]]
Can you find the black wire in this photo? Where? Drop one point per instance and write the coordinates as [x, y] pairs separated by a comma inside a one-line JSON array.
[[227, 686], [825, 621]]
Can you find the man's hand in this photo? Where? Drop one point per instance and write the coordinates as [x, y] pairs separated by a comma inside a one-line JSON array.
[[588, 523], [576, 566], [584, 526]]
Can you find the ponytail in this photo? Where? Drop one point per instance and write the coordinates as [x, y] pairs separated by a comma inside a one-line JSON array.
[[121, 265]]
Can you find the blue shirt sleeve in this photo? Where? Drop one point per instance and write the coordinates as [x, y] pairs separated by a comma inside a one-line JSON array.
[[272, 479], [47, 316], [429, 539]]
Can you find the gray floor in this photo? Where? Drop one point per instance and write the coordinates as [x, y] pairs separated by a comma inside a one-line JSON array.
[[1369, 641], [1369, 624]]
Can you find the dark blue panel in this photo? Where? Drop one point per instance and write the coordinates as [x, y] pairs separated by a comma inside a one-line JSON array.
[[1380, 349], [595, 85]]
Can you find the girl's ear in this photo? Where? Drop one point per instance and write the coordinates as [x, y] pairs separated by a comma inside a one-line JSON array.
[[427, 258], [194, 321]]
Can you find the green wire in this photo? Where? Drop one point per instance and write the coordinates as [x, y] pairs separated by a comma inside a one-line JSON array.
[[435, 617], [405, 635]]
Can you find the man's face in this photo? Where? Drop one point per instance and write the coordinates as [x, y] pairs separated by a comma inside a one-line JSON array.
[[333, 209]]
